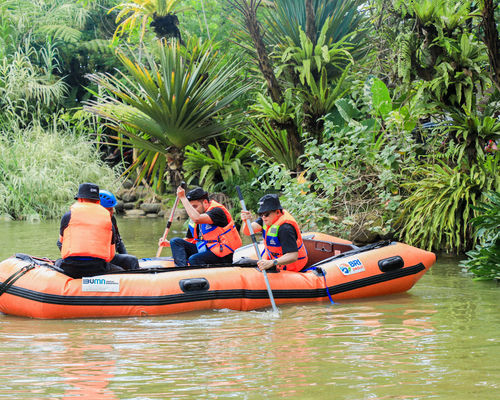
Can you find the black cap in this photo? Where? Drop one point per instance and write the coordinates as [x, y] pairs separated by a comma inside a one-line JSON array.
[[88, 191], [197, 194], [269, 202]]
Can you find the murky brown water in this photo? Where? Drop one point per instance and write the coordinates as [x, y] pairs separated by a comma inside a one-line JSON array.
[[438, 341]]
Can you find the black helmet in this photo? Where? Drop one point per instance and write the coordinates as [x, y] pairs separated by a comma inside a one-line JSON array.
[[197, 194], [88, 191], [269, 202]]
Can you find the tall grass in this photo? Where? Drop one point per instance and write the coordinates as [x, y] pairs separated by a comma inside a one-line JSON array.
[[41, 168]]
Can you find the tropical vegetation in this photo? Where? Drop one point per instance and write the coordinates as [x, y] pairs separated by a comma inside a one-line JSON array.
[[484, 260], [373, 119]]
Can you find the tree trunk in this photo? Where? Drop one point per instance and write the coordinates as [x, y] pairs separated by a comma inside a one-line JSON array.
[[492, 39], [310, 22], [250, 14], [248, 9]]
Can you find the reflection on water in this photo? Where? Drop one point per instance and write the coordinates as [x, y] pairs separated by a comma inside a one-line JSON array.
[[439, 341], [88, 380]]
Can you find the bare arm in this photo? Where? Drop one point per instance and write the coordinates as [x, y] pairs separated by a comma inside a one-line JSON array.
[[191, 211], [245, 217], [285, 259]]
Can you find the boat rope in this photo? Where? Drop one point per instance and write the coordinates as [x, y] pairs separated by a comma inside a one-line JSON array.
[[41, 261], [320, 271], [14, 277]]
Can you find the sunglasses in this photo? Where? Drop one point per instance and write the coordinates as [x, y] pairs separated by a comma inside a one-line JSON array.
[[266, 214]]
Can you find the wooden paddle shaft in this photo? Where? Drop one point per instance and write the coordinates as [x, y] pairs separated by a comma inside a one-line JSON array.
[[169, 223]]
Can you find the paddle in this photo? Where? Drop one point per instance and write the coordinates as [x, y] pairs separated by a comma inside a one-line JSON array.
[[256, 246], [170, 219]]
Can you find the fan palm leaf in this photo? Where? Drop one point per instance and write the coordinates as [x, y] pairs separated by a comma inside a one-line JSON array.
[[177, 98]]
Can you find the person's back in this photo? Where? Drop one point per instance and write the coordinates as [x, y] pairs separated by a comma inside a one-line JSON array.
[[86, 237]]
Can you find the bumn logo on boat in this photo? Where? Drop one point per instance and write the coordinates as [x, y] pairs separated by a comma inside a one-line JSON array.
[[100, 284]]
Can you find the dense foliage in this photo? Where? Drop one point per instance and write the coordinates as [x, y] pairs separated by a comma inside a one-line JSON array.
[[484, 261], [375, 119]]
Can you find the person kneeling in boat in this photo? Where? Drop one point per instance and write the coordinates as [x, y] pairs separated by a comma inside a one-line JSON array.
[[284, 248], [86, 236], [212, 237], [121, 258]]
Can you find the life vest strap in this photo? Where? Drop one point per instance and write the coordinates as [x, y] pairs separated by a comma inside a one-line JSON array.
[[218, 240], [221, 244]]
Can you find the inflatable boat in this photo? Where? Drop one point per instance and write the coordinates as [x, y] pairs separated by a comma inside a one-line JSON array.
[[337, 270]]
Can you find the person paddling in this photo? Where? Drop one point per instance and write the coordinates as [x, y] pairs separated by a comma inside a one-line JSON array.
[[284, 248], [212, 237]]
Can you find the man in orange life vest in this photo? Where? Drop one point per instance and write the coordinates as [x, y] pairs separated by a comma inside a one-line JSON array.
[[86, 236], [213, 237], [284, 248]]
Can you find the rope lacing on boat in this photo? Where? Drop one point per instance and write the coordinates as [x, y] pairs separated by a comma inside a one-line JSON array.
[[14, 277]]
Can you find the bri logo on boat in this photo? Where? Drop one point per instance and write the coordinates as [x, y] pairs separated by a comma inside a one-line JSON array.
[[351, 267], [100, 284]]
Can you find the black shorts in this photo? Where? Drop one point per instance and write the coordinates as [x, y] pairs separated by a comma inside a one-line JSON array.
[[80, 268]]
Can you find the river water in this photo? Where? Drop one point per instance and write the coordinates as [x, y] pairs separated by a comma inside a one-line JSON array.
[[438, 341]]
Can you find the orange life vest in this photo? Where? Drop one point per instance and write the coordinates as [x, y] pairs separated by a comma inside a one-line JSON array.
[[273, 247], [89, 232], [191, 227], [221, 241]]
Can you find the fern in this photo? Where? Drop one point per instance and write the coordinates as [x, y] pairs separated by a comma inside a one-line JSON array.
[[404, 53], [62, 32], [484, 260], [102, 46], [438, 211]]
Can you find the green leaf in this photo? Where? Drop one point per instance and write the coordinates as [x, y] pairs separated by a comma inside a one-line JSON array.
[[381, 100]]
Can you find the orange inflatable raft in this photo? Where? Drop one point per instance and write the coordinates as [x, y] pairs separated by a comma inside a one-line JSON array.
[[32, 287]]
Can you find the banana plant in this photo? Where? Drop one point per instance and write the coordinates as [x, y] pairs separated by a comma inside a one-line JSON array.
[[180, 96]]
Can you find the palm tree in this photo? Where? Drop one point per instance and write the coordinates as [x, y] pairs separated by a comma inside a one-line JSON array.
[[180, 96], [300, 35]]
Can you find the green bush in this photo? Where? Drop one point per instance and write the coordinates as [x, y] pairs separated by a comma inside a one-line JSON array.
[[349, 182], [440, 207], [40, 170], [207, 167], [484, 261]]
